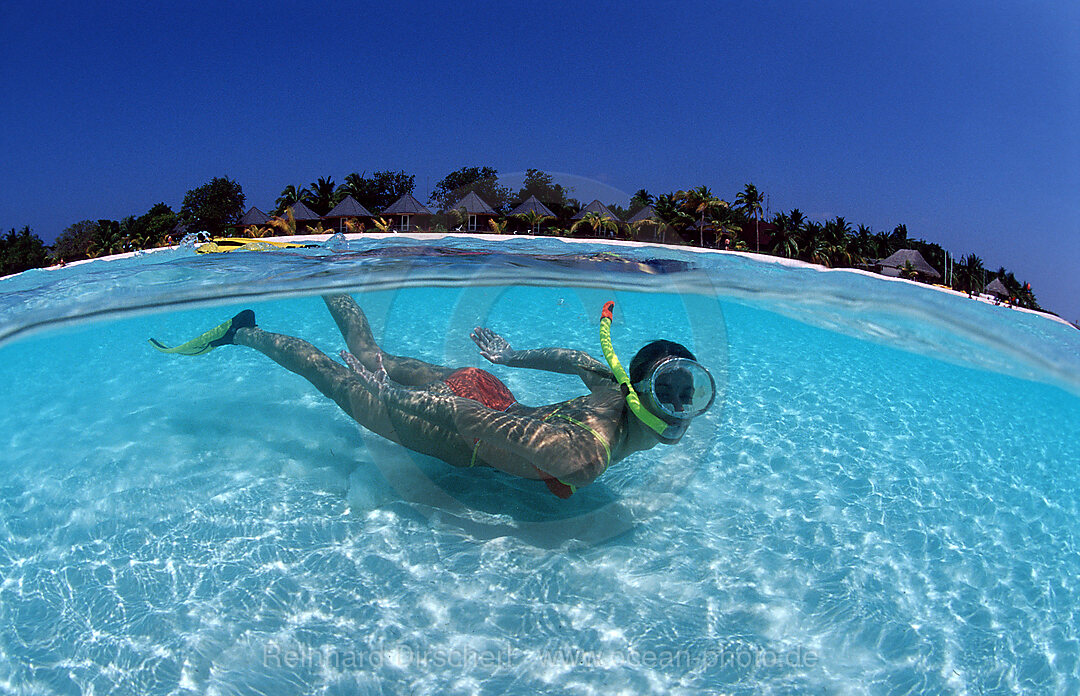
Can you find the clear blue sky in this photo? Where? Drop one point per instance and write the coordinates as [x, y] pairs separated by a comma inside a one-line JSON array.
[[959, 119]]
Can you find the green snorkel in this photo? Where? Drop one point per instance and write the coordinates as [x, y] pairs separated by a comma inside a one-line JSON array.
[[632, 401]]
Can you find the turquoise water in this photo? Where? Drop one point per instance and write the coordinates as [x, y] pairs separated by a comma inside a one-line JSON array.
[[885, 501]]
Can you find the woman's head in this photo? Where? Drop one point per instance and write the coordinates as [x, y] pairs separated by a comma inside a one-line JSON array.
[[653, 353]]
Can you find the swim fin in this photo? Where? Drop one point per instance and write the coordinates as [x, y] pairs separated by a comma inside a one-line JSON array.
[[220, 335]]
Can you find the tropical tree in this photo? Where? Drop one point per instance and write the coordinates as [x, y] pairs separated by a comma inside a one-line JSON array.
[[970, 273], [785, 239], [484, 181], [151, 228], [108, 239], [21, 251], [497, 226], [749, 202], [908, 271], [378, 191], [74, 242], [838, 247], [534, 219], [284, 225], [554, 196], [641, 199], [290, 196], [700, 202], [898, 239], [597, 222], [671, 215], [382, 224], [813, 245], [322, 195], [213, 206]]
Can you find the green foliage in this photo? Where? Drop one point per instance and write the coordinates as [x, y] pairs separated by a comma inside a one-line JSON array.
[[213, 206], [290, 196], [379, 191], [641, 199], [484, 181], [21, 251], [599, 224], [74, 242], [785, 238], [150, 229], [554, 196], [322, 195], [533, 219]]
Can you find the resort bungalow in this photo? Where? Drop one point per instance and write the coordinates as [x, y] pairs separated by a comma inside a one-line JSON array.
[[252, 218], [894, 265], [998, 289], [305, 217], [408, 214], [348, 209], [598, 208], [532, 209], [646, 222], [477, 212]]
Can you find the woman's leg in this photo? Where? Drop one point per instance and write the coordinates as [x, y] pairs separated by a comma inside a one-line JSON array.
[[355, 329], [340, 384]]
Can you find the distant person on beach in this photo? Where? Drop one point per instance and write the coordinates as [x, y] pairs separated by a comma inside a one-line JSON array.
[[467, 417]]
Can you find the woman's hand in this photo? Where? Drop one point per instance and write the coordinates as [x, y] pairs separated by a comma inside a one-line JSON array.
[[492, 346], [378, 382]]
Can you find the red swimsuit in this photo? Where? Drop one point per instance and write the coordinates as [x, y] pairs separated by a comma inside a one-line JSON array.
[[480, 385]]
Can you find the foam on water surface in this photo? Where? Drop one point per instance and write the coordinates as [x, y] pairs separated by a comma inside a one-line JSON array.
[[855, 517]]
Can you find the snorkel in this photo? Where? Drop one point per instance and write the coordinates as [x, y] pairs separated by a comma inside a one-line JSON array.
[[633, 401]]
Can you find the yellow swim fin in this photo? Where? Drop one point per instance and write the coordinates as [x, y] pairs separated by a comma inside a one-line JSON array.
[[220, 335]]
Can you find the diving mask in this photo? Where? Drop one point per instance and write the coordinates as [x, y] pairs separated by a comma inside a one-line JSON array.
[[678, 388]]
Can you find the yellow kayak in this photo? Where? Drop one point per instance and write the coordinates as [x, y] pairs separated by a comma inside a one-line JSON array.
[[226, 244]]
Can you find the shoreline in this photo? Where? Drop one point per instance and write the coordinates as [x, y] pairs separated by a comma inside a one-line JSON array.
[[434, 236]]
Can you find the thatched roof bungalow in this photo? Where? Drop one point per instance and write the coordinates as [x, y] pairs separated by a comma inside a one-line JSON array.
[[409, 213], [348, 209], [305, 217], [253, 217], [532, 205], [598, 208], [998, 289], [477, 211], [893, 265]]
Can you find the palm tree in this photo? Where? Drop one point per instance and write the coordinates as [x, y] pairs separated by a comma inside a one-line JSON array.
[[749, 201], [353, 186], [671, 215], [382, 224], [284, 224], [785, 241], [641, 199], [837, 236], [971, 272], [497, 226], [700, 201], [290, 196], [813, 244], [597, 222], [533, 218], [322, 195], [108, 240]]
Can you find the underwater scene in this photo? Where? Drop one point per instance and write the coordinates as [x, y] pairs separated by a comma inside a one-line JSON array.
[[882, 497]]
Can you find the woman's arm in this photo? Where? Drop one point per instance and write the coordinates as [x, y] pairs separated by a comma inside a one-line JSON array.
[[561, 360]]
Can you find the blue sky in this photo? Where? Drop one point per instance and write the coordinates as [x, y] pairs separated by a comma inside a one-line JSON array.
[[958, 119]]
